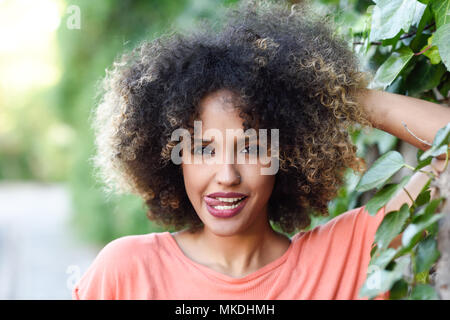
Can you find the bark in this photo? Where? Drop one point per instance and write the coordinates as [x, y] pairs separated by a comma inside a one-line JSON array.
[[442, 276]]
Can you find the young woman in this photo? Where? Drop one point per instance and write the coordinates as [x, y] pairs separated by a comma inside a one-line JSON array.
[[270, 66]]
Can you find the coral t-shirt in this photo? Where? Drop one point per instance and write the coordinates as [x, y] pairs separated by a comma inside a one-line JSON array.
[[327, 262]]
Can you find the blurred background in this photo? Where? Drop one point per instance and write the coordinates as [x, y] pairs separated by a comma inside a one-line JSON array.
[[54, 217]]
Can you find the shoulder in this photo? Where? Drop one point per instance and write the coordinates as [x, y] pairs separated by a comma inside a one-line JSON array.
[[353, 221], [132, 246], [115, 264]]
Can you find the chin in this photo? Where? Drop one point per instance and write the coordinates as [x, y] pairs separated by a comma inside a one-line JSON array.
[[224, 228]]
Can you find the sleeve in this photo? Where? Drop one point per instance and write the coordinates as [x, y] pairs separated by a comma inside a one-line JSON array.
[[345, 243], [102, 279]]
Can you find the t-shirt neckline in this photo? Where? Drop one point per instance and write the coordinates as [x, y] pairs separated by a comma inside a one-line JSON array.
[[255, 274]]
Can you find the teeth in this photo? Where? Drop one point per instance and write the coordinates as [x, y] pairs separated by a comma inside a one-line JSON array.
[[229, 199], [227, 207]]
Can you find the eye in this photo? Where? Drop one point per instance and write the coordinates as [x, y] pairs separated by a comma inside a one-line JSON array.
[[203, 150], [252, 149]]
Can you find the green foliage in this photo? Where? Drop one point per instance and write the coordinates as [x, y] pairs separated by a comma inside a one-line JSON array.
[[384, 195], [413, 222], [391, 226], [407, 43], [426, 254], [389, 17], [380, 172]]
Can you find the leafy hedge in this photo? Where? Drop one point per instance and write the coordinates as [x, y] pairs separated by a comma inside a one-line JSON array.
[[411, 42]]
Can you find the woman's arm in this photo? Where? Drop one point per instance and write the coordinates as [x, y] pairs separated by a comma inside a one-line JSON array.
[[388, 110], [423, 118]]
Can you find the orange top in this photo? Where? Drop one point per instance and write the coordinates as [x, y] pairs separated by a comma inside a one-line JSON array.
[[328, 262]]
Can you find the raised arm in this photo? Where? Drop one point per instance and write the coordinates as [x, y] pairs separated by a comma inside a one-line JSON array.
[[423, 118], [388, 110]]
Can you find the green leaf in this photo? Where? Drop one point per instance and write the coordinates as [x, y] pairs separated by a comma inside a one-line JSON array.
[[441, 9], [391, 16], [426, 255], [423, 198], [383, 258], [391, 226], [427, 211], [389, 70], [431, 51], [440, 142], [420, 37], [381, 170], [422, 163], [399, 290], [442, 136], [424, 292], [445, 87], [429, 75], [406, 249], [441, 39], [415, 228], [383, 196], [379, 280], [432, 54]]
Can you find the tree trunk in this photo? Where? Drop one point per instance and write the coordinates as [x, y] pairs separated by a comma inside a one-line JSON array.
[[442, 276]]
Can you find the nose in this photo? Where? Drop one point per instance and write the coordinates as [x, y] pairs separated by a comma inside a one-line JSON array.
[[228, 175]]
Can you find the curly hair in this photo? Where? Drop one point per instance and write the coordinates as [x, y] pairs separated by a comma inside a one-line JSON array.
[[290, 71]]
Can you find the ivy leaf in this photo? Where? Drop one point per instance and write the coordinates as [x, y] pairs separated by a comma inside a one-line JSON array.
[[390, 69], [427, 211], [423, 163], [383, 196], [442, 136], [440, 142], [424, 292], [441, 39], [383, 258], [379, 280], [441, 8], [445, 87], [404, 250], [391, 226], [420, 36], [423, 197], [399, 290], [415, 228], [426, 255], [429, 75], [391, 16], [432, 53], [381, 170]]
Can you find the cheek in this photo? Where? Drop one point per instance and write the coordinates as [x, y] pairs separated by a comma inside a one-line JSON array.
[[194, 181], [261, 184]]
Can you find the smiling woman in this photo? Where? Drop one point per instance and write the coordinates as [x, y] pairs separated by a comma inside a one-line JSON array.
[[270, 66]]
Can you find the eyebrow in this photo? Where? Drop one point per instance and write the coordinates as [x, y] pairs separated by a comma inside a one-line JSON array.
[[250, 138]]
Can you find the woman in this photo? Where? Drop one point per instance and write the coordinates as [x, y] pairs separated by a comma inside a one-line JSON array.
[[269, 66]]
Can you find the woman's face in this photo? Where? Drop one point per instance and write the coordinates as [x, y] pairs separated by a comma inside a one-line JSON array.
[[227, 174]]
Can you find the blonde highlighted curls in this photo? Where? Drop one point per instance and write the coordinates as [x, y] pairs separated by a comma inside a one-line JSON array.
[[288, 71]]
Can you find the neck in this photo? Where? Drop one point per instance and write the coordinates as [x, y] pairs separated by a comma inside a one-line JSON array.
[[242, 253]]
